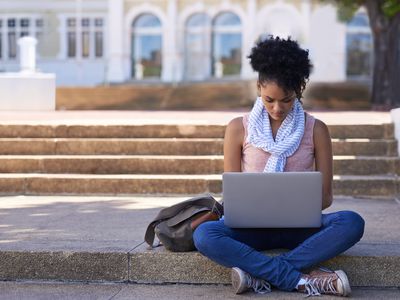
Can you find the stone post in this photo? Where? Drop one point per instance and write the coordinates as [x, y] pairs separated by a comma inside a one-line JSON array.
[[27, 48]]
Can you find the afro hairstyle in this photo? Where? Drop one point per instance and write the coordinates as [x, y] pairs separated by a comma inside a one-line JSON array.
[[281, 61]]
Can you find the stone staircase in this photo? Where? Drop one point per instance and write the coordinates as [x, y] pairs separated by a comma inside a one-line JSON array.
[[169, 160], [97, 235]]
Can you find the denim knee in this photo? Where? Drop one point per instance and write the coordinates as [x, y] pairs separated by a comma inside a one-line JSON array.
[[355, 225], [203, 235]]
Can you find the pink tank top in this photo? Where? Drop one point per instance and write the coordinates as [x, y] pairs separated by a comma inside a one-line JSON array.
[[255, 159]]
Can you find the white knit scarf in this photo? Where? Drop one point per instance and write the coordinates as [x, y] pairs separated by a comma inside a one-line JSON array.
[[288, 137]]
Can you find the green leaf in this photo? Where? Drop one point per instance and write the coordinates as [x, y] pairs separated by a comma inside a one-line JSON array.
[[391, 8]]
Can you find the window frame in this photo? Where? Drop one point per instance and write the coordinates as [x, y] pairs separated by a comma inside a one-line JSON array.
[[31, 30], [79, 30], [136, 33]]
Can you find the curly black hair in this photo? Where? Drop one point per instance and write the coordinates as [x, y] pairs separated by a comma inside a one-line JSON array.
[[281, 61]]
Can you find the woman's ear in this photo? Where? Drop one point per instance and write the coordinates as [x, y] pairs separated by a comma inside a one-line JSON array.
[[258, 89]]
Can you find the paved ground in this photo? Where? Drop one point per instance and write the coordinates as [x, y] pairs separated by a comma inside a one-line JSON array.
[[32, 223], [44, 291]]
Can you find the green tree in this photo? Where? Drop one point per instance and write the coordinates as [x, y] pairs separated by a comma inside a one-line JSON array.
[[384, 17]]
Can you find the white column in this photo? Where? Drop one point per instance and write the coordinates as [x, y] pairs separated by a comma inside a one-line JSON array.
[[306, 17], [395, 116], [115, 70], [78, 20], [169, 68], [248, 36], [327, 45], [27, 47]]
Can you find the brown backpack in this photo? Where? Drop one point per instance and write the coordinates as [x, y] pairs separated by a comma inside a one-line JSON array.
[[174, 225]]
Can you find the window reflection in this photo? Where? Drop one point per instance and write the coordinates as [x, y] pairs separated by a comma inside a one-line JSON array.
[[90, 36], [146, 47], [227, 45], [99, 37], [359, 46], [12, 39]]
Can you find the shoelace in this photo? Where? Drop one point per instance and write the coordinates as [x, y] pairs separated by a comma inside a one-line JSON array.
[[259, 286], [318, 286]]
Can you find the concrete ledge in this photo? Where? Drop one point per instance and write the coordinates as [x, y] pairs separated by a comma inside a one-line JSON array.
[[160, 266], [38, 92], [81, 266], [366, 265]]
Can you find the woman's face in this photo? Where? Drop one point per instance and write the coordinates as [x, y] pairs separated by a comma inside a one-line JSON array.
[[277, 103]]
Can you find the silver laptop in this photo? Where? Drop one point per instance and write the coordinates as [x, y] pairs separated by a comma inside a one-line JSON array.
[[272, 200]]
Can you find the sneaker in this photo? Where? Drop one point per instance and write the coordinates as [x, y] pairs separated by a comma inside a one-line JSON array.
[[242, 281], [324, 281]]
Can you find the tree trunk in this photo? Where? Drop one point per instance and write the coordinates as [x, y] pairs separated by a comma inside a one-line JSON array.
[[386, 72]]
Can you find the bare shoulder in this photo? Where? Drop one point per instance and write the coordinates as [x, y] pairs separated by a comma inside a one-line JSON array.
[[320, 129], [234, 132], [236, 125]]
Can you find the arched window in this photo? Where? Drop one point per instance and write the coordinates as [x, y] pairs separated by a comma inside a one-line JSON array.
[[197, 47], [359, 47], [146, 47], [227, 45]]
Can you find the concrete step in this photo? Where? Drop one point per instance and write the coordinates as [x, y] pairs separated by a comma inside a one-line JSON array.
[[166, 146], [94, 184], [118, 146], [367, 265], [364, 147], [363, 265], [366, 165], [377, 131], [112, 164], [366, 186], [169, 164], [100, 239]]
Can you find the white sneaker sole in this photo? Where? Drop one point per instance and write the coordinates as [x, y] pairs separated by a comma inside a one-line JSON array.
[[237, 280], [345, 282]]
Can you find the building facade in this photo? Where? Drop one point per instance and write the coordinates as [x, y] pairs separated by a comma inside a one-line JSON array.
[[92, 42]]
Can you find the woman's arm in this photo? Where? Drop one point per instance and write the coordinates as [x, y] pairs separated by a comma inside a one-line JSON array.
[[233, 142], [324, 160]]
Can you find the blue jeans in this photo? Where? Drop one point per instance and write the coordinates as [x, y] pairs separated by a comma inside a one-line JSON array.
[[309, 246]]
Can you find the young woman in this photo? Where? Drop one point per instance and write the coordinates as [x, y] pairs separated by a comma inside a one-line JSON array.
[[278, 136]]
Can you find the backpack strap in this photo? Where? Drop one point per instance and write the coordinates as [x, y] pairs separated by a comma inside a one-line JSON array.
[[168, 212]]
